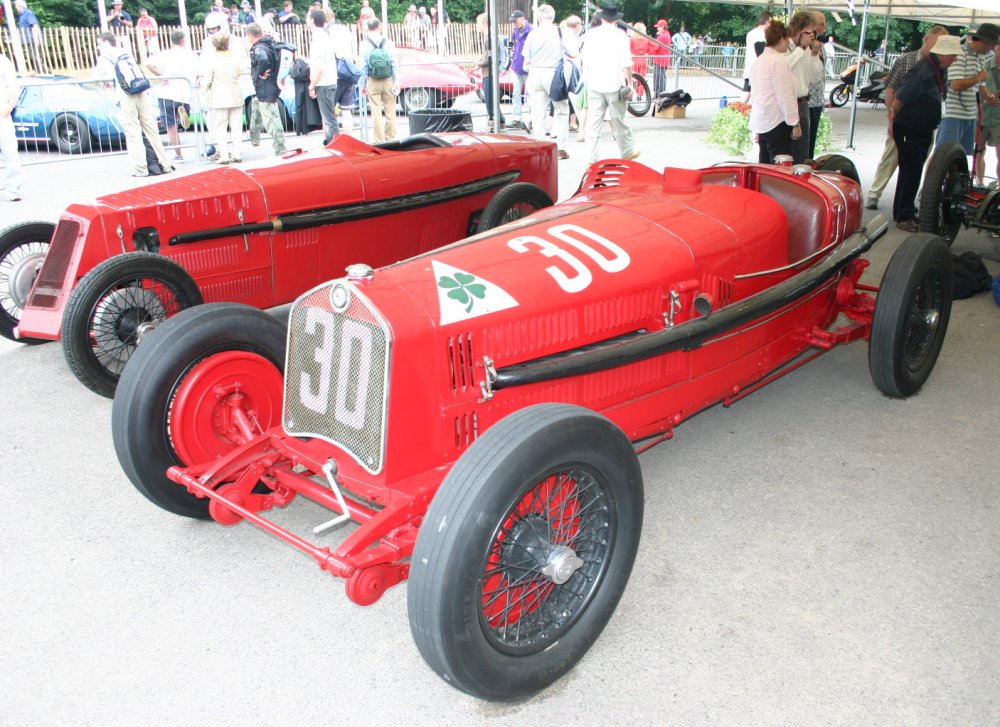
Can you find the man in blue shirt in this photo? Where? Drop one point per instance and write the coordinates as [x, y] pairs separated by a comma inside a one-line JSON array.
[[31, 34]]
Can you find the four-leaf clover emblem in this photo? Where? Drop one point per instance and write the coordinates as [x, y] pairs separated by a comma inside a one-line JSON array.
[[463, 288]]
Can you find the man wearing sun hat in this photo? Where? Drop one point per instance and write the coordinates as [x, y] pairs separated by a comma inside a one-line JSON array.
[[967, 73], [916, 114], [661, 57]]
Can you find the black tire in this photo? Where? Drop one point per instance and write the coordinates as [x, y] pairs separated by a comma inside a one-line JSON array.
[[144, 404], [641, 101], [511, 203], [101, 325], [524, 484], [837, 163], [70, 134], [22, 250], [945, 184], [840, 95], [911, 315]]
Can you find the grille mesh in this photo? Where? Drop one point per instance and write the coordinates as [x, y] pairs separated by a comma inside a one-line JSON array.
[[337, 374], [48, 289]]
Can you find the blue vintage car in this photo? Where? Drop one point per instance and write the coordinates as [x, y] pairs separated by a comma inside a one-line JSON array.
[[74, 116]]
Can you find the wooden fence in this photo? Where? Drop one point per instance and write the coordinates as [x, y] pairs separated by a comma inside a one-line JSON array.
[[73, 51]]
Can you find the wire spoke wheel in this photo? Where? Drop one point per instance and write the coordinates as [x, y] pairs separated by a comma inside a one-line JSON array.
[[516, 200], [545, 561], [23, 248], [123, 314], [641, 100], [946, 183]]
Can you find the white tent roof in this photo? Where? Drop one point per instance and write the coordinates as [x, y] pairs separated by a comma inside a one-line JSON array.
[[945, 12]]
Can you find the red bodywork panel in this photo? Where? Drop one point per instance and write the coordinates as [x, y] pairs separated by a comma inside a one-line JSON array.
[[426, 353], [266, 268]]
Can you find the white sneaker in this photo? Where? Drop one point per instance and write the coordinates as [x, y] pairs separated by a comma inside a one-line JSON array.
[[13, 196]]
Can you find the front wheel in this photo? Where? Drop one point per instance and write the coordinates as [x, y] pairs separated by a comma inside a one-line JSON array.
[[176, 401], [525, 551], [641, 100], [513, 202], [22, 251], [840, 95], [113, 306], [70, 134], [944, 186], [911, 315]]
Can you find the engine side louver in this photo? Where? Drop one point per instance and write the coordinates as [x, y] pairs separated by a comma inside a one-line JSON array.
[[460, 364]]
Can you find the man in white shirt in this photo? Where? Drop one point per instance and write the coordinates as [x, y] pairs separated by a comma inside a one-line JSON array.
[[607, 68], [755, 36], [10, 91], [323, 74], [543, 50], [179, 65], [136, 109]]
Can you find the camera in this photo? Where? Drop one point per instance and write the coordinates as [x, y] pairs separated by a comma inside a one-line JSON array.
[[822, 37]]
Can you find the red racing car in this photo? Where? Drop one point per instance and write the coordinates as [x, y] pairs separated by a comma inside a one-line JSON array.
[[477, 411], [259, 234]]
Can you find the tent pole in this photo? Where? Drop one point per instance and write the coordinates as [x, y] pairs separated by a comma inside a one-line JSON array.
[[857, 77]]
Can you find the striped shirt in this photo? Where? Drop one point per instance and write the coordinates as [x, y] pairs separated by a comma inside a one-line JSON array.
[[963, 104]]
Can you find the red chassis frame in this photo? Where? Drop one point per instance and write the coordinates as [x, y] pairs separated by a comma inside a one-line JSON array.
[[770, 266]]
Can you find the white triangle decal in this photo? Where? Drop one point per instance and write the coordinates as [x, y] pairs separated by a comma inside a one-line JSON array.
[[462, 295]]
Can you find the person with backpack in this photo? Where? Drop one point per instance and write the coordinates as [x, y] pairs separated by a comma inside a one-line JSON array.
[[265, 64], [378, 80], [116, 65]]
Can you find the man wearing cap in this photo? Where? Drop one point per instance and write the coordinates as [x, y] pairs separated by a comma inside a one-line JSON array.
[[119, 17], [518, 36], [607, 70], [961, 108], [245, 17], [916, 114], [901, 66], [661, 57]]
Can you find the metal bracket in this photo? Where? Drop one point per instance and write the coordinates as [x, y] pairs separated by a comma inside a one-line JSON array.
[[486, 385], [330, 470], [246, 242]]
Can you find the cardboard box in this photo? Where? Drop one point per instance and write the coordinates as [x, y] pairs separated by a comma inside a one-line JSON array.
[[671, 112]]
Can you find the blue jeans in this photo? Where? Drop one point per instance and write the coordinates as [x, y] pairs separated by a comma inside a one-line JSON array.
[[962, 131]]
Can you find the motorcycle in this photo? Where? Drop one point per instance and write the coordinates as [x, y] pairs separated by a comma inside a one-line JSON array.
[[873, 91]]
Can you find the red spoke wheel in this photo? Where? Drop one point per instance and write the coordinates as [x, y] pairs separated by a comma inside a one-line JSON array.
[[182, 396], [525, 551]]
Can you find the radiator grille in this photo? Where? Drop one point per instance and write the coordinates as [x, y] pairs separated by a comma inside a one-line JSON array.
[[337, 374], [49, 286]]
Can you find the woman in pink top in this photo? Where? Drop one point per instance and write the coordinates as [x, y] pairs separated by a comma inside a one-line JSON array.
[[774, 113]]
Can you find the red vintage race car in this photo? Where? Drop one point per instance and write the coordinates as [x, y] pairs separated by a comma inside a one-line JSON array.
[[477, 411], [262, 234]]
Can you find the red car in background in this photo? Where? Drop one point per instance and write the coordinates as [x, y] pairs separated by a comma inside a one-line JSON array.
[[427, 80], [260, 234]]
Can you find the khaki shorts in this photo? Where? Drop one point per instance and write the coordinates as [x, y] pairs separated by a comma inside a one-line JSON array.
[[989, 135]]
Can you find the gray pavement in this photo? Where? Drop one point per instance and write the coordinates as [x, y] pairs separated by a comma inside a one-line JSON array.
[[816, 554]]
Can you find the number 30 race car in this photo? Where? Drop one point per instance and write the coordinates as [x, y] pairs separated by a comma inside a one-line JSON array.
[[111, 270], [477, 411]]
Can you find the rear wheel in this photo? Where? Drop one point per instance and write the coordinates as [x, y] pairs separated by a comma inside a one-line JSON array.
[[176, 401], [70, 134], [945, 185], [513, 202], [113, 306], [641, 100], [22, 251], [840, 95], [525, 551], [911, 315]]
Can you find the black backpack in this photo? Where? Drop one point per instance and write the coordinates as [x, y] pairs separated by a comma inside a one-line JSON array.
[[971, 275]]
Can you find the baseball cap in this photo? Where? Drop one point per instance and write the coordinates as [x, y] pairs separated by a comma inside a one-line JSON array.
[[988, 33], [661, 23], [516, 14]]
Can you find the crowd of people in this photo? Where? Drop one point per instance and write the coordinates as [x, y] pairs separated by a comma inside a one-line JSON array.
[[573, 79]]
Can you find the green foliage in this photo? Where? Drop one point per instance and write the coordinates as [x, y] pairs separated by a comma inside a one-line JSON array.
[[730, 131]]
